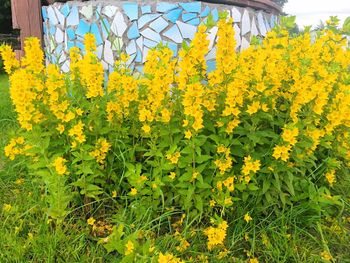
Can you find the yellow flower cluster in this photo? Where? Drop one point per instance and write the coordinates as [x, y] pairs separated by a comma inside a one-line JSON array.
[[226, 164], [101, 149], [168, 258], [76, 132], [290, 135], [250, 166], [59, 165], [129, 248], [16, 147], [9, 57], [216, 235], [173, 158], [331, 178]]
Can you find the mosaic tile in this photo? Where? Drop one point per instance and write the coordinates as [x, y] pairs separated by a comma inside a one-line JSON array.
[[205, 12], [118, 26], [273, 21], [146, 9], [174, 34], [236, 15], [165, 7], [65, 10], [187, 31], [144, 54], [159, 24], [62, 58], [149, 43], [87, 11], [215, 15], [45, 29], [65, 67], [211, 54], [59, 36], [117, 44], [52, 30], [60, 17], [139, 42], [194, 22], [44, 13], [73, 18], [192, 7], [211, 65], [237, 35], [261, 24], [150, 34], [83, 28], [131, 10], [70, 44], [245, 43], [133, 31], [130, 61], [95, 30], [245, 28], [52, 16], [108, 53], [173, 15], [211, 36], [106, 67], [146, 19], [138, 58], [268, 27], [99, 51], [188, 16], [58, 49], [254, 29], [105, 26], [131, 47], [80, 45], [109, 10], [98, 12]]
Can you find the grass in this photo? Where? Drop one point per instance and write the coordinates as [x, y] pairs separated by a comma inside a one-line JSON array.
[[298, 234]]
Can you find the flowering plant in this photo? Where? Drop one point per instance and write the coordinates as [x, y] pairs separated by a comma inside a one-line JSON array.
[[269, 127]]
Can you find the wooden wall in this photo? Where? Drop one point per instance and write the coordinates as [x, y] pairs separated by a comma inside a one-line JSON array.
[[26, 16]]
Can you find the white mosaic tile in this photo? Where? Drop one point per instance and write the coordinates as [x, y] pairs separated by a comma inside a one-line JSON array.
[[236, 15], [59, 35], [60, 16], [261, 24], [63, 58], [131, 48], [108, 53], [99, 51], [245, 43], [237, 35], [254, 29], [65, 66], [211, 54], [152, 35], [118, 26], [187, 31], [109, 10], [159, 24], [87, 11], [245, 23], [211, 36], [52, 16], [139, 42], [144, 54]]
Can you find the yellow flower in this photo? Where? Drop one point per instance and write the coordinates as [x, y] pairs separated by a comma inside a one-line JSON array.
[[331, 178], [7, 207], [281, 152], [326, 256], [250, 166], [188, 134], [114, 194], [60, 128], [60, 167], [129, 248], [289, 135], [253, 260], [172, 175], [91, 221], [247, 218], [253, 108], [146, 128], [168, 258], [133, 191], [9, 58], [173, 158], [216, 235]]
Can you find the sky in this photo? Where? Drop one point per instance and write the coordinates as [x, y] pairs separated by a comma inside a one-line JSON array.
[[310, 12]]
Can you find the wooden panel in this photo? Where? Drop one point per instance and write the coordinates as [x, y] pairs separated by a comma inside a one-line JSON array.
[[26, 16]]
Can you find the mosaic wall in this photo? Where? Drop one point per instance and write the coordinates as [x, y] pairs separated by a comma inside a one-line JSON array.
[[136, 27]]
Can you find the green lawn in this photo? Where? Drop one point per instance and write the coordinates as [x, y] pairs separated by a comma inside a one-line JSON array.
[[26, 236]]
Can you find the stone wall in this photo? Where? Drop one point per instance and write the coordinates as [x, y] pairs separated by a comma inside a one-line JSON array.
[[135, 27]]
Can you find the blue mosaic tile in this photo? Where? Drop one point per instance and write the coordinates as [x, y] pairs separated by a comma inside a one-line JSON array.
[[52, 30], [53, 59], [73, 18], [192, 7], [215, 14], [105, 27], [44, 28], [146, 9], [149, 43], [131, 10], [70, 33], [58, 49], [211, 65], [164, 7], [80, 45], [70, 44], [133, 31], [131, 48], [159, 24], [65, 10], [98, 12], [150, 34], [147, 18], [44, 13], [173, 15], [138, 58], [188, 16], [139, 69], [96, 31], [205, 12], [194, 22], [174, 34], [52, 16], [130, 60], [83, 28]]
